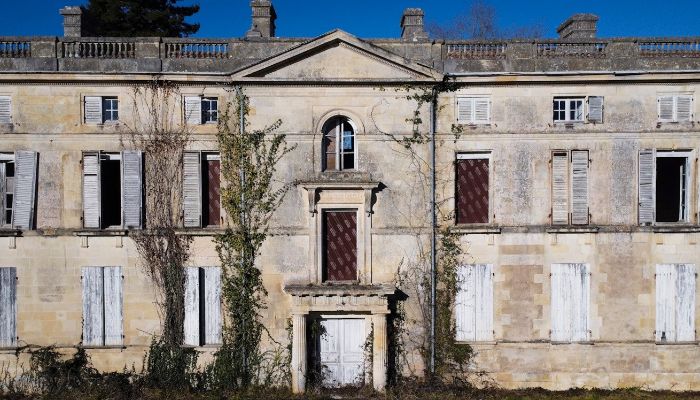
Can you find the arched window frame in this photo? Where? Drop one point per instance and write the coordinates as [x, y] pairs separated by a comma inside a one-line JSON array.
[[335, 128]]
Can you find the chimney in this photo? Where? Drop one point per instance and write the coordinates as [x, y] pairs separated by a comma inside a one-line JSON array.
[[412, 27], [72, 21], [579, 26], [263, 19]]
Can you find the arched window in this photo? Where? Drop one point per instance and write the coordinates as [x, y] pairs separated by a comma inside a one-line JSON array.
[[339, 147]]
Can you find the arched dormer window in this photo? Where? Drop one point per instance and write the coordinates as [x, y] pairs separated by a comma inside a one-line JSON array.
[[339, 147]]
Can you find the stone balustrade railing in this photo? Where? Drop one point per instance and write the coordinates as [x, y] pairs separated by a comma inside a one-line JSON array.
[[567, 49], [15, 49], [476, 51], [98, 49], [201, 50], [670, 48]]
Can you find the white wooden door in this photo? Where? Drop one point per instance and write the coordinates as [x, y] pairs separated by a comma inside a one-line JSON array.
[[342, 351]]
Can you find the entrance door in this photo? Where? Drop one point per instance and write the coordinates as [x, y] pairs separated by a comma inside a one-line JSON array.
[[342, 352]]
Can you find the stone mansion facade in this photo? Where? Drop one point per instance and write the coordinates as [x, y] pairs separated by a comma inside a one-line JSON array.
[[568, 167]]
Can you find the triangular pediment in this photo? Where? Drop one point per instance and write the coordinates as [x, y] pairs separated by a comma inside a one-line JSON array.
[[337, 56]]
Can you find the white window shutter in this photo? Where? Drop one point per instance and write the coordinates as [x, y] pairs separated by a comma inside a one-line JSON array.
[[580, 293], [560, 303], [685, 305], [484, 302], [647, 168], [93, 110], [212, 305], [684, 108], [93, 307], [25, 188], [192, 189], [113, 307], [579, 187], [132, 197], [465, 110], [8, 307], [91, 190], [191, 323], [560, 188], [595, 109], [5, 109], [465, 304], [665, 108], [482, 112], [665, 303], [193, 110]]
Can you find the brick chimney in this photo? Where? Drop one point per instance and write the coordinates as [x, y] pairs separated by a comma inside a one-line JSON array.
[[412, 27], [72, 21], [263, 19], [579, 26]]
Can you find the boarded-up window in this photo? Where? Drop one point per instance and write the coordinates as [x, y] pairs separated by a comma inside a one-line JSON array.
[[474, 303], [570, 187], [202, 306], [570, 302], [102, 306], [8, 307], [473, 110], [675, 303], [472, 188], [201, 189], [340, 245], [675, 108]]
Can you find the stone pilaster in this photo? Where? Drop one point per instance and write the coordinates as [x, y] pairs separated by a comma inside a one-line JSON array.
[[299, 353], [379, 351]]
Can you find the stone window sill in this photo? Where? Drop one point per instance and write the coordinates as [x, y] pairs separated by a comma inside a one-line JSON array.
[[111, 347], [10, 232], [681, 228], [695, 343], [572, 229], [585, 343], [103, 232], [476, 229]]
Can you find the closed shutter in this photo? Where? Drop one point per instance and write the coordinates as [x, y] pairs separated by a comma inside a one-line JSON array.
[[340, 245], [665, 108], [465, 110], [580, 293], [560, 303], [472, 187], [484, 302], [193, 110], [113, 306], [5, 109], [482, 112], [93, 110], [91, 190], [646, 186], [560, 188], [8, 307], [685, 309], [212, 305], [93, 307], [191, 323], [465, 304], [595, 109], [665, 303], [25, 187], [192, 191], [579, 187], [132, 188], [684, 108]]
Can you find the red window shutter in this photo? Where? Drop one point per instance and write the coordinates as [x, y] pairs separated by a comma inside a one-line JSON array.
[[212, 193], [340, 245], [472, 197]]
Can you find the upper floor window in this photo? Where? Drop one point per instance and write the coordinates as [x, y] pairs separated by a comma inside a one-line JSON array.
[[473, 110], [339, 147], [17, 189], [5, 109], [664, 186], [472, 198], [570, 187], [101, 109], [573, 109], [201, 189], [201, 110], [675, 108]]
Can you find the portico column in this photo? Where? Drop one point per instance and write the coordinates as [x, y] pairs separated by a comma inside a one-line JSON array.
[[379, 351], [299, 353]]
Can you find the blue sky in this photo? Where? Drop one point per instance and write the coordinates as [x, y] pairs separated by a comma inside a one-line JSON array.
[[380, 18]]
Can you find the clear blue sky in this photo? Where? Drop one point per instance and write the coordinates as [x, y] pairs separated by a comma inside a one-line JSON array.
[[380, 18]]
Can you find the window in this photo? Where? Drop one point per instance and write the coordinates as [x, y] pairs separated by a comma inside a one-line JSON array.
[[210, 110], [570, 299], [339, 245], [202, 189], [472, 188], [675, 108], [8, 307], [474, 303], [570, 187], [202, 306], [675, 303], [112, 193], [664, 178], [339, 149], [569, 110], [101, 109], [201, 110], [474, 110], [102, 306], [17, 189], [5, 109]]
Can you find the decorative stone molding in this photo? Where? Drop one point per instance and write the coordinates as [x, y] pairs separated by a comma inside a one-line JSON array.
[[340, 181], [345, 298]]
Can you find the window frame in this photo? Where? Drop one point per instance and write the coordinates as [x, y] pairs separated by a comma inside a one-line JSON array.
[[110, 115], [570, 195], [207, 113], [339, 152], [568, 109], [475, 155], [7, 158], [675, 97], [690, 183], [472, 113]]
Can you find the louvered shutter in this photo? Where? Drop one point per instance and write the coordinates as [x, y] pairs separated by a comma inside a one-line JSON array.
[[5, 109], [647, 167], [560, 303], [560, 188], [193, 110], [465, 110], [665, 108], [93, 307], [192, 189], [465, 304], [93, 110], [665, 303], [580, 294], [685, 306], [132, 204], [482, 110], [595, 109], [91, 190], [191, 323], [212, 305], [484, 302], [684, 108], [579, 187], [8, 307], [113, 306], [25, 187]]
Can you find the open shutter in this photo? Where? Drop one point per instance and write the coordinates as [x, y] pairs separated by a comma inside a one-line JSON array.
[[191, 323], [685, 306], [5, 109], [8, 307], [560, 188], [579, 279], [482, 112], [93, 110], [192, 191], [25, 187], [465, 110], [484, 302], [131, 188], [665, 108], [91, 190], [465, 304], [647, 169], [579, 187], [595, 109], [684, 108], [665, 303], [212, 305], [113, 306], [561, 303], [93, 307], [193, 110]]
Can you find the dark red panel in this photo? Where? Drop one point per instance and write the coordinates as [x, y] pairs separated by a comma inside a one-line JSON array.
[[212, 202], [340, 245], [472, 195]]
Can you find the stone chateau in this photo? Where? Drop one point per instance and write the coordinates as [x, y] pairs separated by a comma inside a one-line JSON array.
[[568, 167]]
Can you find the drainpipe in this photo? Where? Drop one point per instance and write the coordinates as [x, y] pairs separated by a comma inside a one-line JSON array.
[[242, 217], [433, 228]]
